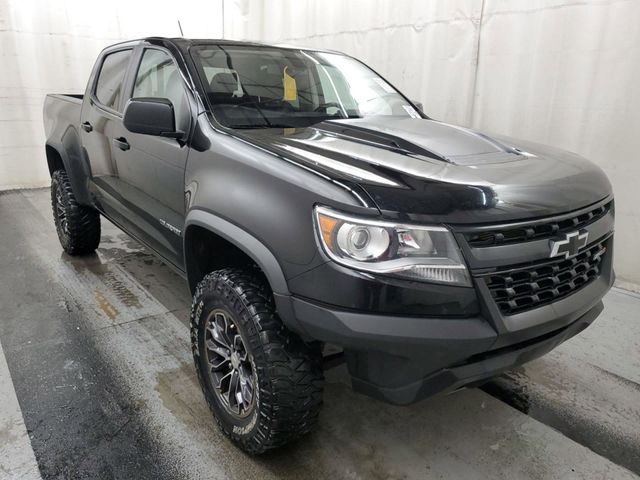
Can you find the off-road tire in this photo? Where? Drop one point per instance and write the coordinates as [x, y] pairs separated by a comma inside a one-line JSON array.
[[288, 371], [78, 226]]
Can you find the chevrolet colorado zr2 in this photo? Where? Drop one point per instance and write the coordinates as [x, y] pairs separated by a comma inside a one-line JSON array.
[[309, 202]]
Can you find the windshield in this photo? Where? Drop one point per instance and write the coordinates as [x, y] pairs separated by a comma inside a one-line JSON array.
[[262, 87]]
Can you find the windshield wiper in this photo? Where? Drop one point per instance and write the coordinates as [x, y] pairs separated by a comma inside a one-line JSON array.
[[259, 110]]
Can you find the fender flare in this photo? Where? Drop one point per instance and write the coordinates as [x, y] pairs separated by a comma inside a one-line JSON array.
[[71, 154], [246, 242]]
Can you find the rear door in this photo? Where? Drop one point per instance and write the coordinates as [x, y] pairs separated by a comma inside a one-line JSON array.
[[151, 168], [99, 121]]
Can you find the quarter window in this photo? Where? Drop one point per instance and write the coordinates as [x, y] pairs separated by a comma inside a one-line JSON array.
[[110, 79]]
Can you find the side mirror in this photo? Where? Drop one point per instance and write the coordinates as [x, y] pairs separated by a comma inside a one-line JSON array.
[[418, 105], [151, 116]]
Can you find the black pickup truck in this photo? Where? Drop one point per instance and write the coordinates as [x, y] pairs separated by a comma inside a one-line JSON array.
[[308, 202]]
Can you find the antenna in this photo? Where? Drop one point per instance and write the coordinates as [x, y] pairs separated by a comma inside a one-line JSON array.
[[180, 27]]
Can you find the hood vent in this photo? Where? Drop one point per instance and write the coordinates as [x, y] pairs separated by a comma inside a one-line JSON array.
[[381, 139]]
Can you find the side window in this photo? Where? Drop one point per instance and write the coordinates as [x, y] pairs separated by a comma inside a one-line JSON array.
[[109, 84], [159, 77]]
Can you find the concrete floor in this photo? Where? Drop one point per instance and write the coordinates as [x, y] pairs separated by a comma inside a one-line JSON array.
[[98, 383]]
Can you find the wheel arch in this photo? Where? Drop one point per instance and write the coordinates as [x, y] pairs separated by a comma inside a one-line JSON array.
[[67, 156], [54, 159], [198, 221]]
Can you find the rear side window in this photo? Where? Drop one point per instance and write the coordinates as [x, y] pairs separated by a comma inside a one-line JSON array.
[[110, 79]]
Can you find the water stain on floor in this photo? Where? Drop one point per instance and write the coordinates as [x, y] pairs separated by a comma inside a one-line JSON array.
[[105, 306]]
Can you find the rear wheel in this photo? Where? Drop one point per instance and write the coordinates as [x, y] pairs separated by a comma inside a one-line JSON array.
[[78, 226], [262, 382]]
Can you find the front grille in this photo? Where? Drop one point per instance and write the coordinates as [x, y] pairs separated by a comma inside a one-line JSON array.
[[536, 231], [521, 288]]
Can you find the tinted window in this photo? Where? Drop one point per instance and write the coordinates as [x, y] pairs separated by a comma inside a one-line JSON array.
[[109, 85], [159, 77]]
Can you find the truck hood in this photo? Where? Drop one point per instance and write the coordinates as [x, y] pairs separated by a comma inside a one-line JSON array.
[[425, 170]]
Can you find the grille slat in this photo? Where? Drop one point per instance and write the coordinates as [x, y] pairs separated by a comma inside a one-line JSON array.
[[509, 235], [523, 288]]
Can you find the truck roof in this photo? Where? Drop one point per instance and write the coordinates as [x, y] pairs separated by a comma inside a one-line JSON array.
[[185, 43]]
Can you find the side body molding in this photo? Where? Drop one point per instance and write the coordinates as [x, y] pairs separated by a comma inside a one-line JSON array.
[[253, 247]]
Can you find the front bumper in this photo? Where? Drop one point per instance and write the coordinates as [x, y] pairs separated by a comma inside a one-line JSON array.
[[404, 358], [474, 369], [407, 340]]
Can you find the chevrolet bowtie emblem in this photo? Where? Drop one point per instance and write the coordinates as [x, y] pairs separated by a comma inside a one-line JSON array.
[[570, 245]]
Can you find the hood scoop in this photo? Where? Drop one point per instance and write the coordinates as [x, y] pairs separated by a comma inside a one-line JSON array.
[[427, 138], [377, 138]]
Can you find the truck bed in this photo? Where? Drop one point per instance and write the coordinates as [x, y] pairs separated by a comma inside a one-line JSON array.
[[61, 112], [70, 97]]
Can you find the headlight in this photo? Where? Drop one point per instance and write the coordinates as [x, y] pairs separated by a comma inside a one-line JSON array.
[[416, 252]]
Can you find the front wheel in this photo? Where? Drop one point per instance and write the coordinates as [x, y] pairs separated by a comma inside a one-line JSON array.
[[261, 381]]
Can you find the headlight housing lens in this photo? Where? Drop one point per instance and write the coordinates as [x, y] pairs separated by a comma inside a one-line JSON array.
[[416, 252]]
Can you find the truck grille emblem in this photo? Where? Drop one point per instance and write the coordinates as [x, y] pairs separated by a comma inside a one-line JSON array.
[[570, 245]]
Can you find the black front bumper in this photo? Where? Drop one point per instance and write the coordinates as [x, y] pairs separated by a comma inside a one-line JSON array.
[[404, 358], [474, 369], [407, 340]]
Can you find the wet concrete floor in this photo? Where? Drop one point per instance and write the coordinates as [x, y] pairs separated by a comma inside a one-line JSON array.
[[98, 358]]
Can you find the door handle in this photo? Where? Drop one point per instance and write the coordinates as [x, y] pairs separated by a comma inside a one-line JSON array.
[[87, 127], [121, 143]]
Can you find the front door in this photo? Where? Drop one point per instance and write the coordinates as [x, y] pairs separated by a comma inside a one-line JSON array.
[[151, 168]]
